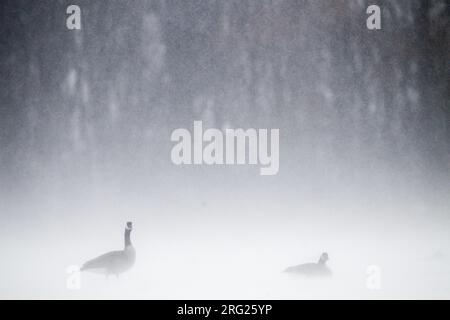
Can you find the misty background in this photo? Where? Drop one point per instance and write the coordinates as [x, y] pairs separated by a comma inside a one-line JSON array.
[[364, 118]]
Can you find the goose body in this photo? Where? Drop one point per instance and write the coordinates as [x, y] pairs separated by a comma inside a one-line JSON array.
[[114, 262], [318, 269]]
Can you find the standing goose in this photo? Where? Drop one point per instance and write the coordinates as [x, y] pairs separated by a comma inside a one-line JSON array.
[[318, 269], [114, 262]]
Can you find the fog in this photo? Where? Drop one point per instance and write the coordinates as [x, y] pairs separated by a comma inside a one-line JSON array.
[[208, 253], [364, 167]]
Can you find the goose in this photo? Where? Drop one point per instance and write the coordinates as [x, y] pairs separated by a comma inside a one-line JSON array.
[[314, 269], [114, 262]]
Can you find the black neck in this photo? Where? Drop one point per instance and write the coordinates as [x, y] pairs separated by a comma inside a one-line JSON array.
[[127, 238]]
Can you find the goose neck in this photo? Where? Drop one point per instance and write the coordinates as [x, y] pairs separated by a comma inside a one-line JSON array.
[[127, 238]]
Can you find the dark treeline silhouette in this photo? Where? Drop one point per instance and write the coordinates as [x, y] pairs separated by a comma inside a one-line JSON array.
[[95, 106]]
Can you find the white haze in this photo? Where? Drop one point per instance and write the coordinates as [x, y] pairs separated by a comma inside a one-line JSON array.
[[86, 118], [199, 250]]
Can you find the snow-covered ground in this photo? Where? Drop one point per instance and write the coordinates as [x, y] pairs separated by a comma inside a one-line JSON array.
[[224, 258]]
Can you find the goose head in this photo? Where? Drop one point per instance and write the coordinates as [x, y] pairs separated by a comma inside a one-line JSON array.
[[323, 258], [129, 226]]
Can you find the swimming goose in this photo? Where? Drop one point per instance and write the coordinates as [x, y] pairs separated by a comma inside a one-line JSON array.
[[318, 269], [114, 262]]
